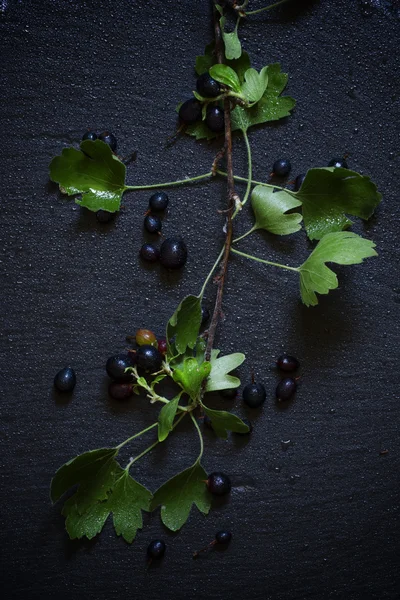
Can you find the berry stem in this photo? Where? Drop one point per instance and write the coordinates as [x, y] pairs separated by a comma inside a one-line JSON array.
[[244, 235], [200, 436], [238, 178], [259, 10], [249, 173], [167, 183], [211, 272], [128, 466], [136, 435], [266, 262]]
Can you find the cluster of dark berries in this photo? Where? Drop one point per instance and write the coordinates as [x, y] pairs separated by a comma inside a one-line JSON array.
[[287, 386], [157, 204], [106, 137], [147, 357], [282, 168], [191, 111]]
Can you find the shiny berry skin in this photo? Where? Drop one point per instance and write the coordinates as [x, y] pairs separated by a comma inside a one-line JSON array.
[[65, 380], [120, 391], [254, 395], [156, 549], [152, 224], [116, 365], [148, 358], [281, 167], [285, 389], [190, 111], [158, 202], [207, 86], [215, 119], [205, 315], [145, 337], [223, 537], [173, 253], [287, 363], [109, 139], [249, 425], [89, 135], [299, 181], [219, 484], [162, 346], [230, 393], [338, 163], [149, 253], [104, 216]]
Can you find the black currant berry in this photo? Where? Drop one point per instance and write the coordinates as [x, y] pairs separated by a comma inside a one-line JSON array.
[[285, 389], [249, 425], [116, 365], [158, 202], [281, 167], [190, 111], [109, 139], [229, 393], [173, 253], [254, 395], [148, 358], [156, 549], [299, 181], [104, 216], [223, 537], [205, 315], [152, 224], [219, 484], [207, 86], [120, 391], [89, 135], [215, 119], [149, 253], [65, 380], [338, 163], [287, 363]]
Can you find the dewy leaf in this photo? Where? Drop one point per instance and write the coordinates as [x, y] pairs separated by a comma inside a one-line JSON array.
[[206, 61], [191, 375], [88, 524], [343, 248], [226, 75], [178, 494], [255, 84], [328, 194], [220, 367], [271, 107], [223, 421], [166, 418], [90, 469], [233, 48], [270, 211], [184, 324], [94, 172], [126, 501]]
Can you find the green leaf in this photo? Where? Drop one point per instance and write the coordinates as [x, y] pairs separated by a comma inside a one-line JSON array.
[[255, 84], [166, 418], [226, 75], [184, 324], [94, 172], [191, 375], [223, 421], [343, 248], [270, 211], [92, 470], [220, 367], [328, 194], [271, 107], [126, 501], [233, 48], [206, 61], [88, 524], [178, 495]]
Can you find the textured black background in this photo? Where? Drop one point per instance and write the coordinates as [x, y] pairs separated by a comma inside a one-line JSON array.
[[317, 520]]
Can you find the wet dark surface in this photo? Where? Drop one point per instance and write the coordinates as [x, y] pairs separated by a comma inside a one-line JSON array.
[[314, 508]]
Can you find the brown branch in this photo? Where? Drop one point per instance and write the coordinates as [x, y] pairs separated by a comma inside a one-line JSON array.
[[219, 51]]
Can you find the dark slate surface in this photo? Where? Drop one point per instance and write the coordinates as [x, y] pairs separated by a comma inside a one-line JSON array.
[[316, 519]]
